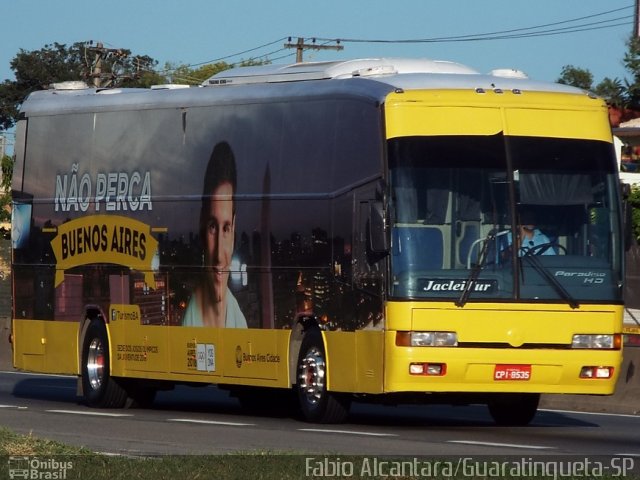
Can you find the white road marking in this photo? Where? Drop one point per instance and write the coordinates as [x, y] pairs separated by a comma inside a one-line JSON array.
[[604, 414], [210, 422], [95, 414], [501, 445], [347, 432], [13, 406]]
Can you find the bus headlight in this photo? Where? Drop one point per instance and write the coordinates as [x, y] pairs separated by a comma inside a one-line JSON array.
[[597, 341], [426, 339]]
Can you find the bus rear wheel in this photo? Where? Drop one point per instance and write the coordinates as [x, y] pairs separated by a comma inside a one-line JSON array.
[[99, 388], [514, 409], [316, 402]]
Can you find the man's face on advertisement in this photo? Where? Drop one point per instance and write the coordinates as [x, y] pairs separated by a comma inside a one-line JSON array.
[[219, 237]]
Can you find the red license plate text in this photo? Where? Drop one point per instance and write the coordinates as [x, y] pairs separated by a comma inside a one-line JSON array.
[[512, 372]]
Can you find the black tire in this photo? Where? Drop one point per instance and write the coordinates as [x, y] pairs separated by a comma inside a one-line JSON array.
[[316, 403], [99, 388], [514, 409]]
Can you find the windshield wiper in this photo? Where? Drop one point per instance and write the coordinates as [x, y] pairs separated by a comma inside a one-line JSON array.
[[475, 271], [553, 281]]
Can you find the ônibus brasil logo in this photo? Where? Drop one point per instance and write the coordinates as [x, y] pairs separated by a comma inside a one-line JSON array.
[[38, 468]]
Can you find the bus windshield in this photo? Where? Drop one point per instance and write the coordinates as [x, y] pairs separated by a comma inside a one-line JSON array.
[[481, 218]]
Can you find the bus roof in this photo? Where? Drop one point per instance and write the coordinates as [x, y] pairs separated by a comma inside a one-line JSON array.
[[406, 73], [367, 67], [370, 79]]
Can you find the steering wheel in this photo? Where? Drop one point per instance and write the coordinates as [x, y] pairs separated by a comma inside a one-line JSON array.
[[543, 247]]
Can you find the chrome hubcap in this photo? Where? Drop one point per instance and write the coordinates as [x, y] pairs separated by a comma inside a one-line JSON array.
[[95, 363], [312, 374]]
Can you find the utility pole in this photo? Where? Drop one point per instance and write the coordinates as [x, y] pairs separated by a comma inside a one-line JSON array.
[[99, 78], [2, 146], [97, 66], [301, 46], [636, 20]]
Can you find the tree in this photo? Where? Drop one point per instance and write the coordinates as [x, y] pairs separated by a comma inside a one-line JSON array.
[[6, 163], [613, 91], [577, 77], [632, 64], [38, 69], [195, 76], [634, 204]]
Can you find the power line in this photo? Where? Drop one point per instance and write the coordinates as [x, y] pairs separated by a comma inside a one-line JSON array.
[[266, 56], [170, 71], [483, 37], [506, 34], [542, 33], [514, 33], [562, 22], [237, 54], [560, 31], [509, 34]]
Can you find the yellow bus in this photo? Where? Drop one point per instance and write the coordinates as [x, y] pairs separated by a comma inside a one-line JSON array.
[[389, 230]]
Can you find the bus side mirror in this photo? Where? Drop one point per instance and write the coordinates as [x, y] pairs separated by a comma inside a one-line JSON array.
[[376, 228]]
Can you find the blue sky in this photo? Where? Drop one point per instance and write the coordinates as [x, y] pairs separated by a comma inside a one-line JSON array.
[[196, 31]]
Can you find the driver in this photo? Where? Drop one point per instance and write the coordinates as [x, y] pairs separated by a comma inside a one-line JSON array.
[[531, 240]]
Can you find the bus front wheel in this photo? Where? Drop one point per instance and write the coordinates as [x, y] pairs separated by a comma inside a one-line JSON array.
[[99, 388], [316, 402], [514, 409]]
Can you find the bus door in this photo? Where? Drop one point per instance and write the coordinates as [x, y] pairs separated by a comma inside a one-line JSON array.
[[367, 265], [368, 274]]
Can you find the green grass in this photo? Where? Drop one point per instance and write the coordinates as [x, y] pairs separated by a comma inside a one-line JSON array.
[[13, 444], [259, 465], [89, 465], [19, 451]]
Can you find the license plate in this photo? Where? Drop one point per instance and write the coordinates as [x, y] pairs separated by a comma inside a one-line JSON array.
[[512, 372]]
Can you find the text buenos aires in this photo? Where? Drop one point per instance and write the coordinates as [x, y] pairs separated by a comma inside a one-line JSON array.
[[97, 238]]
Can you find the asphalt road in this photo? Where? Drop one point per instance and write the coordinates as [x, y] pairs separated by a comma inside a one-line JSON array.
[[206, 420]]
